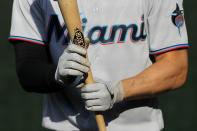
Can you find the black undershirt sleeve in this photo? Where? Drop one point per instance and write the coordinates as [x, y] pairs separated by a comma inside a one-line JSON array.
[[34, 68]]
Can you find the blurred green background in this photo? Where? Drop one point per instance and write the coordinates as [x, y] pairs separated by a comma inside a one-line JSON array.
[[20, 111]]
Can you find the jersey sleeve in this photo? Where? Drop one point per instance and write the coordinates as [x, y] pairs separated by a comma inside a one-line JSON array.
[[166, 26], [27, 22]]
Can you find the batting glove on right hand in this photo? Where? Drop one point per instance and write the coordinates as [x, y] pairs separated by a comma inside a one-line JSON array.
[[102, 96], [72, 63]]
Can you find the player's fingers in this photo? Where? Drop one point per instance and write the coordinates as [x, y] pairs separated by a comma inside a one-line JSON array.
[[90, 96], [75, 66], [80, 59], [72, 72], [95, 108], [95, 102], [90, 88], [72, 48]]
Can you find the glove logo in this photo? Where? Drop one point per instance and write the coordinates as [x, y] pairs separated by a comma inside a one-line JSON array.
[[79, 39], [177, 18]]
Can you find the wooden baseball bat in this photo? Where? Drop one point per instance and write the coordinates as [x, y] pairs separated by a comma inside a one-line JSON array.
[[70, 13]]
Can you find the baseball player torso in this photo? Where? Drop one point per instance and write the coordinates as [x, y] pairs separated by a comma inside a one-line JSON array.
[[118, 50], [120, 45]]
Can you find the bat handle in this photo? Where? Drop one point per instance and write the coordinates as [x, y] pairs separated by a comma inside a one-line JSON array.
[[99, 117], [100, 121]]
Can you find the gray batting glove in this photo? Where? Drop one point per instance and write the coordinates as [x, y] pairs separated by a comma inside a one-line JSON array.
[[102, 96], [72, 63]]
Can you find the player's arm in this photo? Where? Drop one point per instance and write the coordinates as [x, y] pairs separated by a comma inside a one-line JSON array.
[[37, 73], [33, 65], [169, 72], [34, 68]]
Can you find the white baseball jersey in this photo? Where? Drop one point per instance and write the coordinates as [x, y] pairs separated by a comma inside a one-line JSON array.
[[123, 34]]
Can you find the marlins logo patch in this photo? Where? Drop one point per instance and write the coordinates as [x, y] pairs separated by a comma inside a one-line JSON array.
[[177, 18]]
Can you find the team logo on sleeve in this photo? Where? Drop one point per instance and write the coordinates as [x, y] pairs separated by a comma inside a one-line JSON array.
[[177, 18]]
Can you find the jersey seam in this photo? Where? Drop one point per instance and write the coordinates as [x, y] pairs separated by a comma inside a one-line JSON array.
[[26, 39], [170, 48]]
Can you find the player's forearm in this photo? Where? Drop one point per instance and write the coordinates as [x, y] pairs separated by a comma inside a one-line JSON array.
[[169, 72], [39, 81], [35, 72]]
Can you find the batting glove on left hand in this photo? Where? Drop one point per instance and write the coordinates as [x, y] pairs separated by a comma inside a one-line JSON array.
[[102, 96], [72, 64]]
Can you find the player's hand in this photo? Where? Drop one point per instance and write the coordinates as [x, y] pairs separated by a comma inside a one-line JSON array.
[[72, 63], [102, 96]]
